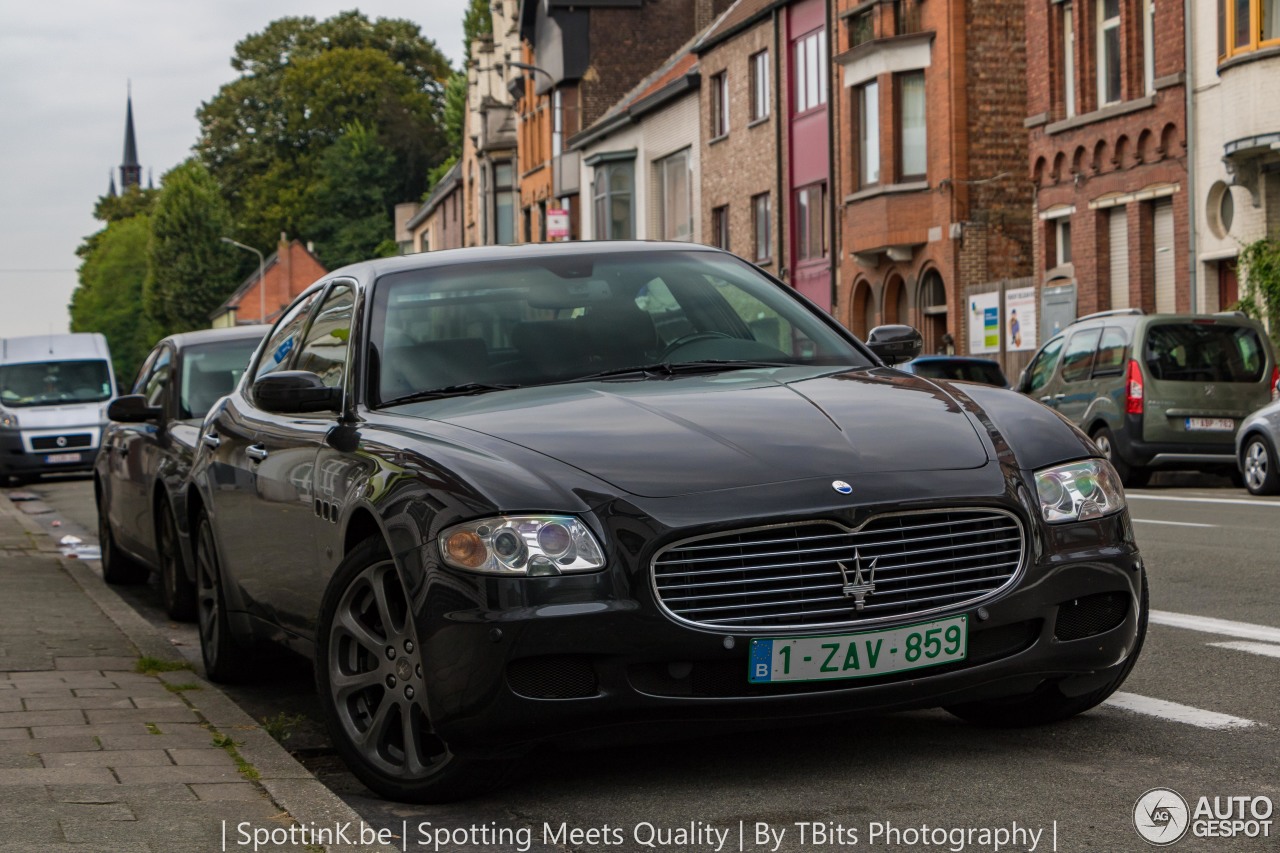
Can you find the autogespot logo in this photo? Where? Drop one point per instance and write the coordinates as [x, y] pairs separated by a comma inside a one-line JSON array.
[[1161, 816]]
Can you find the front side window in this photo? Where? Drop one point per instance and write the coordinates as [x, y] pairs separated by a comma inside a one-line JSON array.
[[612, 196], [912, 139], [760, 85], [1041, 370], [1108, 52], [158, 381], [210, 372], [761, 227], [677, 196], [284, 339], [868, 134], [45, 383], [811, 229], [719, 105], [810, 71], [324, 352]]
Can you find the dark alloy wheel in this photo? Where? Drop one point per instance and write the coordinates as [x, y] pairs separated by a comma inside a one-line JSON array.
[[1049, 704], [117, 566], [1131, 476], [1260, 475], [371, 677], [225, 658], [179, 591]]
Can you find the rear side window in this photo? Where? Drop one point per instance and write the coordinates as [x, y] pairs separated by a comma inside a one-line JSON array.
[[1110, 360], [1077, 360], [1204, 352]]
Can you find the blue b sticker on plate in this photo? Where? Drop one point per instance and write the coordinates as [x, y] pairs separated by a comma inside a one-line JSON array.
[[761, 660]]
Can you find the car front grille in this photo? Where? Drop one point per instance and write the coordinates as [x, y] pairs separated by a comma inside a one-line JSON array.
[[817, 573], [50, 442]]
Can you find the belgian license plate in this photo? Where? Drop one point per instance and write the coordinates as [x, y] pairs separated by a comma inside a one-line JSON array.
[[1212, 424], [859, 655], [57, 458]]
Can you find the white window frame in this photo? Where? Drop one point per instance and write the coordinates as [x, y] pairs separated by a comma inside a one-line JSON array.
[[720, 105], [673, 225], [760, 85], [810, 71], [1068, 60], [762, 215], [869, 133], [921, 145], [1148, 47], [1104, 26]]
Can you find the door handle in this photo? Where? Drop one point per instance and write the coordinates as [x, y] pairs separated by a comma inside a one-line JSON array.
[[211, 440], [256, 452]]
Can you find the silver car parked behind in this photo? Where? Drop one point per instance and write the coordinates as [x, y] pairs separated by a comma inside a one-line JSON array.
[[1256, 443]]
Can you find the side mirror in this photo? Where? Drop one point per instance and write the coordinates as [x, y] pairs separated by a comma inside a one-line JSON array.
[[895, 344], [295, 391], [133, 409]]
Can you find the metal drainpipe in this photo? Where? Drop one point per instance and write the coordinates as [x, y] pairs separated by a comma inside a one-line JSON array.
[[1188, 36], [778, 114], [831, 163]]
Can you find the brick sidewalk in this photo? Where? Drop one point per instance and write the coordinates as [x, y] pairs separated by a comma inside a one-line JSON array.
[[97, 756]]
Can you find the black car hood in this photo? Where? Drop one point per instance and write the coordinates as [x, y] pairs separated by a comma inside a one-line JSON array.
[[690, 434]]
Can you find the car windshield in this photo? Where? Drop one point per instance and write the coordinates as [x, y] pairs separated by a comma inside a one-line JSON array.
[[45, 383], [492, 325], [210, 372], [1204, 352], [968, 371]]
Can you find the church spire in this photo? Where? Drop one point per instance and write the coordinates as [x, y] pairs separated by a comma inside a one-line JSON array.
[[130, 169], [111, 184]]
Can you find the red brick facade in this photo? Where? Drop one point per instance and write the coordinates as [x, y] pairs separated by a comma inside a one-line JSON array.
[[288, 272], [1124, 157]]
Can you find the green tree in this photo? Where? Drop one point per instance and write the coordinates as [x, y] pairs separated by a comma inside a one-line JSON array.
[[132, 202], [109, 297], [476, 22], [1260, 264], [190, 271], [455, 112], [302, 81], [346, 205]]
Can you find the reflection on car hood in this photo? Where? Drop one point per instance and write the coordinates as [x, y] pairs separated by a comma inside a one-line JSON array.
[[660, 438]]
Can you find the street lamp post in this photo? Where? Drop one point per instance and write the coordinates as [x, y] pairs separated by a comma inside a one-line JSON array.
[[524, 66], [262, 285]]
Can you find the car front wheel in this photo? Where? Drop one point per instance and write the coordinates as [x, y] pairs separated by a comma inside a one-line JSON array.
[[371, 676], [1049, 704], [1260, 475], [179, 591]]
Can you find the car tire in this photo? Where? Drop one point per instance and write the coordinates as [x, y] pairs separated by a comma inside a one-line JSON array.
[[371, 679], [1049, 704], [226, 658], [1131, 476], [118, 568], [1258, 459], [178, 591]]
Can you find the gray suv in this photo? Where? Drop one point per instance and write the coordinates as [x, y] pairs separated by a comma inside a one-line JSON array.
[[1157, 390]]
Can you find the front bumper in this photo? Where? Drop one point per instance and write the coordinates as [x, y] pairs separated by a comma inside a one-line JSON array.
[[16, 458], [574, 661]]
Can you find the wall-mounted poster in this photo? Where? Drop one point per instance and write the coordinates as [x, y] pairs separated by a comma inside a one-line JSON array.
[[984, 322], [1020, 322]]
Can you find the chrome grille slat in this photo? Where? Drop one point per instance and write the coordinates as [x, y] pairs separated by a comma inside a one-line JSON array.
[[788, 576]]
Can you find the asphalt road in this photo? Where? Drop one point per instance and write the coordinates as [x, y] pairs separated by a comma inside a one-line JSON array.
[[1199, 715]]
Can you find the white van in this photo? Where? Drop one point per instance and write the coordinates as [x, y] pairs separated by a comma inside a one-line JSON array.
[[53, 398]]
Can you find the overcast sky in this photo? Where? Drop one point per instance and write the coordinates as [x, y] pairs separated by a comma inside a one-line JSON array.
[[64, 69]]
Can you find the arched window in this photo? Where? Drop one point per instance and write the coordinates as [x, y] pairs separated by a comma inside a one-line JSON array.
[[933, 311]]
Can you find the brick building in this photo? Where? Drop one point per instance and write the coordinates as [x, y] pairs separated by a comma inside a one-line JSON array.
[[287, 271], [489, 138], [1236, 135], [441, 222], [589, 53], [932, 156], [1106, 105]]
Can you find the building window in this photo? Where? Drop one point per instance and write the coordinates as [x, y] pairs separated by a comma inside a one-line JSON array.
[[557, 123], [760, 85], [719, 105], [810, 71], [1148, 47], [676, 206], [868, 113], [861, 28], [1068, 61], [1246, 25], [811, 226], [720, 227], [1108, 52], [913, 146], [612, 195], [761, 228], [906, 17], [1062, 241], [504, 204]]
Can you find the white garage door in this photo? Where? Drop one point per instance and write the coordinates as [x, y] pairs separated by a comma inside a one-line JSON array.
[[1162, 225]]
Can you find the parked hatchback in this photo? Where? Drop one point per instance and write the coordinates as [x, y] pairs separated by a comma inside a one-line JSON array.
[[1159, 390]]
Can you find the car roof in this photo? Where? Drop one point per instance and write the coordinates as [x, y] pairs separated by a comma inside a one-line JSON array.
[[207, 336], [37, 348]]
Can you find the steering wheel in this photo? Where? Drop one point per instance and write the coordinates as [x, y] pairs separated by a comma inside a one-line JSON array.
[[684, 340]]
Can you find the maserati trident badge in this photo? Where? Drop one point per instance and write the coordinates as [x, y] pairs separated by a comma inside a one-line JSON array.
[[861, 587], [842, 487]]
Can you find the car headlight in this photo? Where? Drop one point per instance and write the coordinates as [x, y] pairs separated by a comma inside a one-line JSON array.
[[1079, 491], [526, 545], [8, 420]]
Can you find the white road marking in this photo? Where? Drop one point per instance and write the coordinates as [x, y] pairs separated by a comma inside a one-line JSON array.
[[1175, 523], [1265, 649], [1177, 713], [1209, 625], [1240, 501]]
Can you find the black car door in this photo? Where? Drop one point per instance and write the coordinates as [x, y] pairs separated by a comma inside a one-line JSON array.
[[138, 448]]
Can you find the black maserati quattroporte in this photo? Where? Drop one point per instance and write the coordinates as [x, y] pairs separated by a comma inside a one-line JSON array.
[[504, 496]]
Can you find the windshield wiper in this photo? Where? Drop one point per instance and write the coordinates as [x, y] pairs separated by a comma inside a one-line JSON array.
[[463, 390], [667, 368]]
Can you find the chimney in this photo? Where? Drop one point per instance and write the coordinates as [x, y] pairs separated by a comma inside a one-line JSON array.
[[703, 14], [286, 271]]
